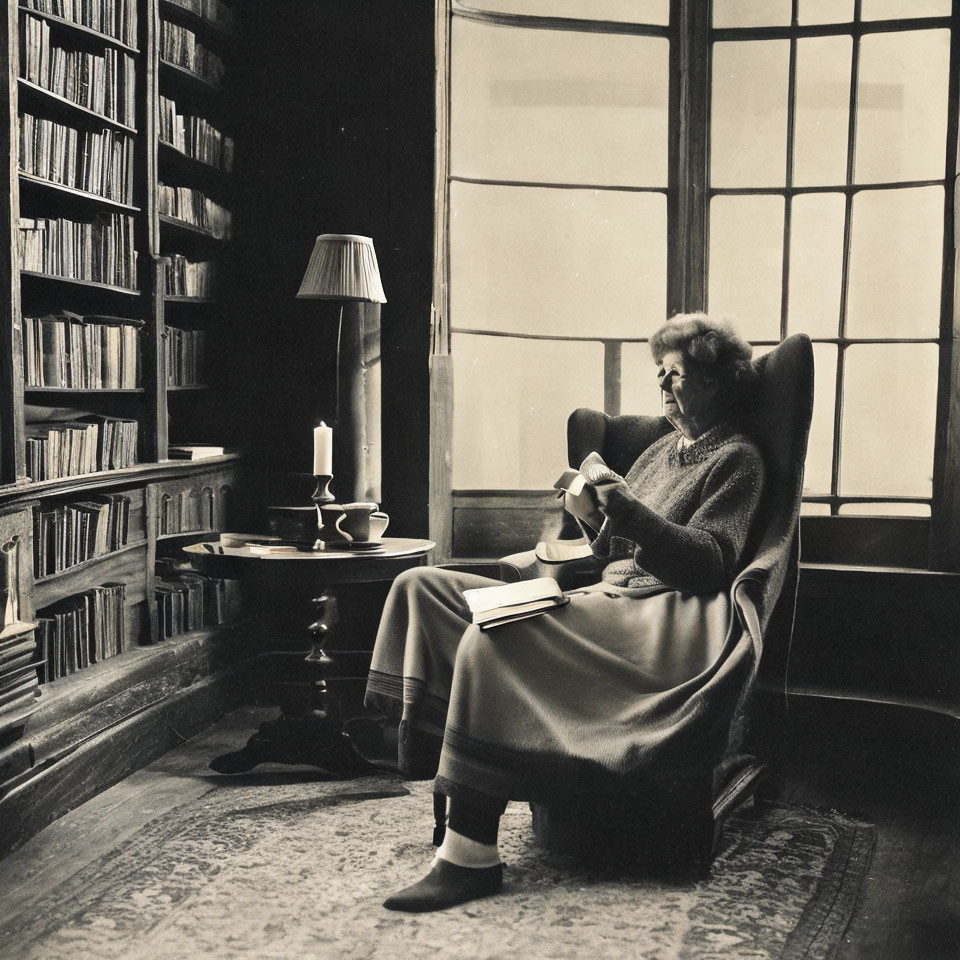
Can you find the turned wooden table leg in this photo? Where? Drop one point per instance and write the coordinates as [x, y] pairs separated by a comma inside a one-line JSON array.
[[309, 729]]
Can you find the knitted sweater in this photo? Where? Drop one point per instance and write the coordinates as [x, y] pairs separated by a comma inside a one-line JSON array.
[[680, 517]]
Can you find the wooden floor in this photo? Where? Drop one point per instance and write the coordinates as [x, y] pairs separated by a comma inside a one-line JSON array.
[[898, 780]]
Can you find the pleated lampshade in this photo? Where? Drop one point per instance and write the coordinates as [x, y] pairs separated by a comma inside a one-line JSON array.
[[342, 266]]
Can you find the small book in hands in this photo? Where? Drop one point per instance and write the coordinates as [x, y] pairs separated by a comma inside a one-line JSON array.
[[578, 486], [504, 603]]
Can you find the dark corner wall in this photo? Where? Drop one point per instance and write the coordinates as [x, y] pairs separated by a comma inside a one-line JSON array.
[[336, 135]]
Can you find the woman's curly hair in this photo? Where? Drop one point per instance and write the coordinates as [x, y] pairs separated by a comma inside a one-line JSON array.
[[713, 346]]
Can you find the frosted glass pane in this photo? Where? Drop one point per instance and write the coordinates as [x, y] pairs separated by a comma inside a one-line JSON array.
[[558, 106], [639, 390], [902, 106], [894, 9], [822, 111], [814, 509], [824, 11], [746, 263], [884, 510], [751, 13], [816, 264], [511, 402], [889, 411], [749, 114], [567, 262], [896, 260], [629, 11], [819, 464]]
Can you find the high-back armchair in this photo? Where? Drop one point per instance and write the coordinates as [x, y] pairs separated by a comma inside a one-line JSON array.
[[779, 422]]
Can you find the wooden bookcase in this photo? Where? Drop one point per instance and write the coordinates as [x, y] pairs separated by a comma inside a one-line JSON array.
[[93, 726]]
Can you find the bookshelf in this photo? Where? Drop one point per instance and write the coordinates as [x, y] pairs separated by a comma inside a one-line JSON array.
[[119, 162]]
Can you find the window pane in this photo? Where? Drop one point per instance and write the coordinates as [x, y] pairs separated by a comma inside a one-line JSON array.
[[889, 401], [566, 262], [894, 9], [751, 13], [814, 509], [749, 114], [629, 11], [822, 111], [816, 264], [558, 106], [819, 464], [884, 510], [746, 268], [902, 106], [511, 403], [895, 263], [639, 391], [825, 11]]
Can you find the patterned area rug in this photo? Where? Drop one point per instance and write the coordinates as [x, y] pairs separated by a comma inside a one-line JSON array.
[[279, 871]]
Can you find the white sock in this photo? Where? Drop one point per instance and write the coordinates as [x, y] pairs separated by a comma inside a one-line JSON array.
[[465, 852]]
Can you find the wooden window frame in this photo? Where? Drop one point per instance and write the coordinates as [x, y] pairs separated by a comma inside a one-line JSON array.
[[932, 543]]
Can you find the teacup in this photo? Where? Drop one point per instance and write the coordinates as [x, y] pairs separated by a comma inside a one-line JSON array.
[[362, 522]]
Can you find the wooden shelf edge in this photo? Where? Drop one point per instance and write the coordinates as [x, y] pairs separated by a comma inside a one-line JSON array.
[[77, 192], [190, 228], [191, 19], [84, 390], [79, 281], [68, 572], [86, 111], [169, 149], [175, 70]]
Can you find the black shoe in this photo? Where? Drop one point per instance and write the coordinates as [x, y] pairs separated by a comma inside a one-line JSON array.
[[446, 885]]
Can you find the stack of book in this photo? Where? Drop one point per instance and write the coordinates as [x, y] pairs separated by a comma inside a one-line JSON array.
[[68, 448], [71, 533], [194, 136], [99, 162], [80, 630], [189, 278], [187, 601], [504, 603], [180, 46], [68, 351], [19, 684], [193, 207], [116, 18], [104, 83], [100, 250], [213, 10], [184, 357]]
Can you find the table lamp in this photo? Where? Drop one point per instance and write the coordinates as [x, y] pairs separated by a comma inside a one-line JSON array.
[[343, 268]]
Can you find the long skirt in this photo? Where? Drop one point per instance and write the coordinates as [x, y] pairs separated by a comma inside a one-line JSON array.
[[605, 693]]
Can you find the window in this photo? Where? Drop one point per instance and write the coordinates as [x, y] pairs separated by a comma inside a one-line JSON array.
[[796, 174]]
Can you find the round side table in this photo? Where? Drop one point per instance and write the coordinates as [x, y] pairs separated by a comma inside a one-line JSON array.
[[309, 729]]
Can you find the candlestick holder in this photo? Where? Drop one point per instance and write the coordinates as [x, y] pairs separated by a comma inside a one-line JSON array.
[[328, 513], [323, 493]]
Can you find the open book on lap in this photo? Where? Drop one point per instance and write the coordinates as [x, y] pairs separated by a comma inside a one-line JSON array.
[[504, 603]]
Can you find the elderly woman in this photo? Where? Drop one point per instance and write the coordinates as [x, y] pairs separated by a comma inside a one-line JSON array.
[[617, 687]]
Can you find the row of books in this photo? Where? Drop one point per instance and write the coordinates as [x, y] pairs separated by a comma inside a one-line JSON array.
[[180, 46], [19, 684], [71, 352], [194, 136], [104, 83], [188, 601], [184, 357], [187, 511], [69, 448], [101, 249], [116, 18], [193, 207], [213, 10], [80, 630], [99, 162], [72, 533], [189, 278]]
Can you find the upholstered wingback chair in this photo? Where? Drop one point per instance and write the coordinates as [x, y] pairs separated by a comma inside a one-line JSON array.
[[681, 823]]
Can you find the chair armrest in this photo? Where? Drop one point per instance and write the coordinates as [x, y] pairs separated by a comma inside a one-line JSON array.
[[578, 572]]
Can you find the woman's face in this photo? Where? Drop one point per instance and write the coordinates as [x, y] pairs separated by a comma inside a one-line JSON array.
[[689, 397]]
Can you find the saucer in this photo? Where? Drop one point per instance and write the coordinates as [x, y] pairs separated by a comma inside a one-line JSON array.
[[362, 545]]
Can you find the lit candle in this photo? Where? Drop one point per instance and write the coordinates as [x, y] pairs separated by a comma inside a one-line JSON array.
[[322, 450]]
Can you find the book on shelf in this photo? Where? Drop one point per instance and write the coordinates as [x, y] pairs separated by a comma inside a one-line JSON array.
[[115, 18], [184, 354], [505, 603], [180, 47], [193, 451]]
